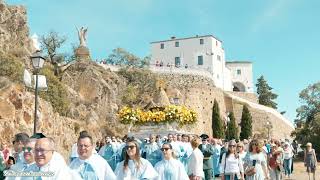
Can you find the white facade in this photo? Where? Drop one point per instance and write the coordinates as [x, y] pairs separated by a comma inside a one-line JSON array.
[[202, 53], [241, 75]]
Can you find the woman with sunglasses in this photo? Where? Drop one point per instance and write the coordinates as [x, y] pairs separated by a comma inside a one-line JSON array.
[[134, 166], [255, 163], [231, 163], [170, 168]]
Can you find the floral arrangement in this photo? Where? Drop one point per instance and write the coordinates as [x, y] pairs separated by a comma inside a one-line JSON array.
[[172, 113]]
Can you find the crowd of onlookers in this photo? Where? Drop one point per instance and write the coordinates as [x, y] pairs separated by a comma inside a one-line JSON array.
[[175, 156]]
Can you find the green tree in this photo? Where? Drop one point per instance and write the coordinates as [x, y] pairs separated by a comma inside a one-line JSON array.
[[308, 116], [217, 124], [232, 129], [265, 94], [246, 123], [50, 44], [120, 56]]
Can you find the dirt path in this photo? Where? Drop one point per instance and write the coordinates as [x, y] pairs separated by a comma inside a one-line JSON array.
[[299, 172]]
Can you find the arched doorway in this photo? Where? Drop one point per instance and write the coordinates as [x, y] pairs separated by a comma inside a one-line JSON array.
[[238, 87]]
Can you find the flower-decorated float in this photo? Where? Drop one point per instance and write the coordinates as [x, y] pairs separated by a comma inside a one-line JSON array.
[[159, 116]]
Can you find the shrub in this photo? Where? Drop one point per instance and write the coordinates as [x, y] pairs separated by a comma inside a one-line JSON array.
[[140, 81], [56, 93], [11, 67]]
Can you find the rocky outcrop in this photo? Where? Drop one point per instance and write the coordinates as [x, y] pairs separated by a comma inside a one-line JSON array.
[[14, 31]]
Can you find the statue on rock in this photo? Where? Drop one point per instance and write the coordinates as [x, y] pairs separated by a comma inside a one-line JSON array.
[[82, 33], [82, 52]]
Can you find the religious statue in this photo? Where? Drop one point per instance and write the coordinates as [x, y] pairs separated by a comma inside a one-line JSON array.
[[82, 33]]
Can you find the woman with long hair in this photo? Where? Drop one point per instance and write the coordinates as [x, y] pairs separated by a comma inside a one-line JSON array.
[[231, 164], [255, 163], [310, 160], [134, 166], [170, 168]]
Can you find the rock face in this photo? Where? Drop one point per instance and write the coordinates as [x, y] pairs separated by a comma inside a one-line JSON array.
[[14, 31]]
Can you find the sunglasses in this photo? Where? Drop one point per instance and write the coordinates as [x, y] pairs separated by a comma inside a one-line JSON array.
[[27, 149], [165, 149], [130, 147]]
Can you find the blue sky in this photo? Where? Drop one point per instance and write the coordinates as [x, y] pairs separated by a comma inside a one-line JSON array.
[[280, 37]]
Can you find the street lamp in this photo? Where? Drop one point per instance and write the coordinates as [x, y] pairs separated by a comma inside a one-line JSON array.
[[269, 127], [37, 63]]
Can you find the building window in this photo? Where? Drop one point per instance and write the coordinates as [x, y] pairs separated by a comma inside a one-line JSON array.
[[161, 46], [219, 58], [200, 60], [177, 44], [238, 72], [201, 41], [177, 61]]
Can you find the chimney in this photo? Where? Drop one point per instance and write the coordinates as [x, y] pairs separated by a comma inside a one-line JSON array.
[[173, 37]]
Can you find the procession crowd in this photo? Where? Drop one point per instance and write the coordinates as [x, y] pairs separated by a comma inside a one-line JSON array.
[[171, 157]]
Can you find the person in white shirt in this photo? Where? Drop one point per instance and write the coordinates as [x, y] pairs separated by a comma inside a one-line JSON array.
[[231, 166], [170, 168], [50, 162], [287, 159], [195, 164], [134, 166], [175, 146], [89, 165], [241, 151]]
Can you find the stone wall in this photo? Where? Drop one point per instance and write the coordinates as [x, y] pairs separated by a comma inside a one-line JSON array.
[[248, 96], [198, 93]]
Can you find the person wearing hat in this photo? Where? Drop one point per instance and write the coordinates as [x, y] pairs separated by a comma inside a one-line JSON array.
[[310, 160], [231, 167], [207, 151], [275, 162]]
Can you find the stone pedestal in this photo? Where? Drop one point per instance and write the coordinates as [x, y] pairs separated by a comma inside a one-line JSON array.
[[82, 53]]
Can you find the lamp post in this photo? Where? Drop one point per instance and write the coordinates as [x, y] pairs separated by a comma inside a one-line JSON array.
[[37, 63], [269, 127]]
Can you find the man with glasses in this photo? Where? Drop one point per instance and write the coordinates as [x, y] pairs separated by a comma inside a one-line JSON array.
[[28, 155], [207, 151], [90, 166], [50, 163]]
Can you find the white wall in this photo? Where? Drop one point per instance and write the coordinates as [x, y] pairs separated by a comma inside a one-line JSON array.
[[223, 74], [189, 49], [246, 74]]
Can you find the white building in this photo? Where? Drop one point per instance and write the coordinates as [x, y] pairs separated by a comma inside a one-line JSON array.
[[201, 55]]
